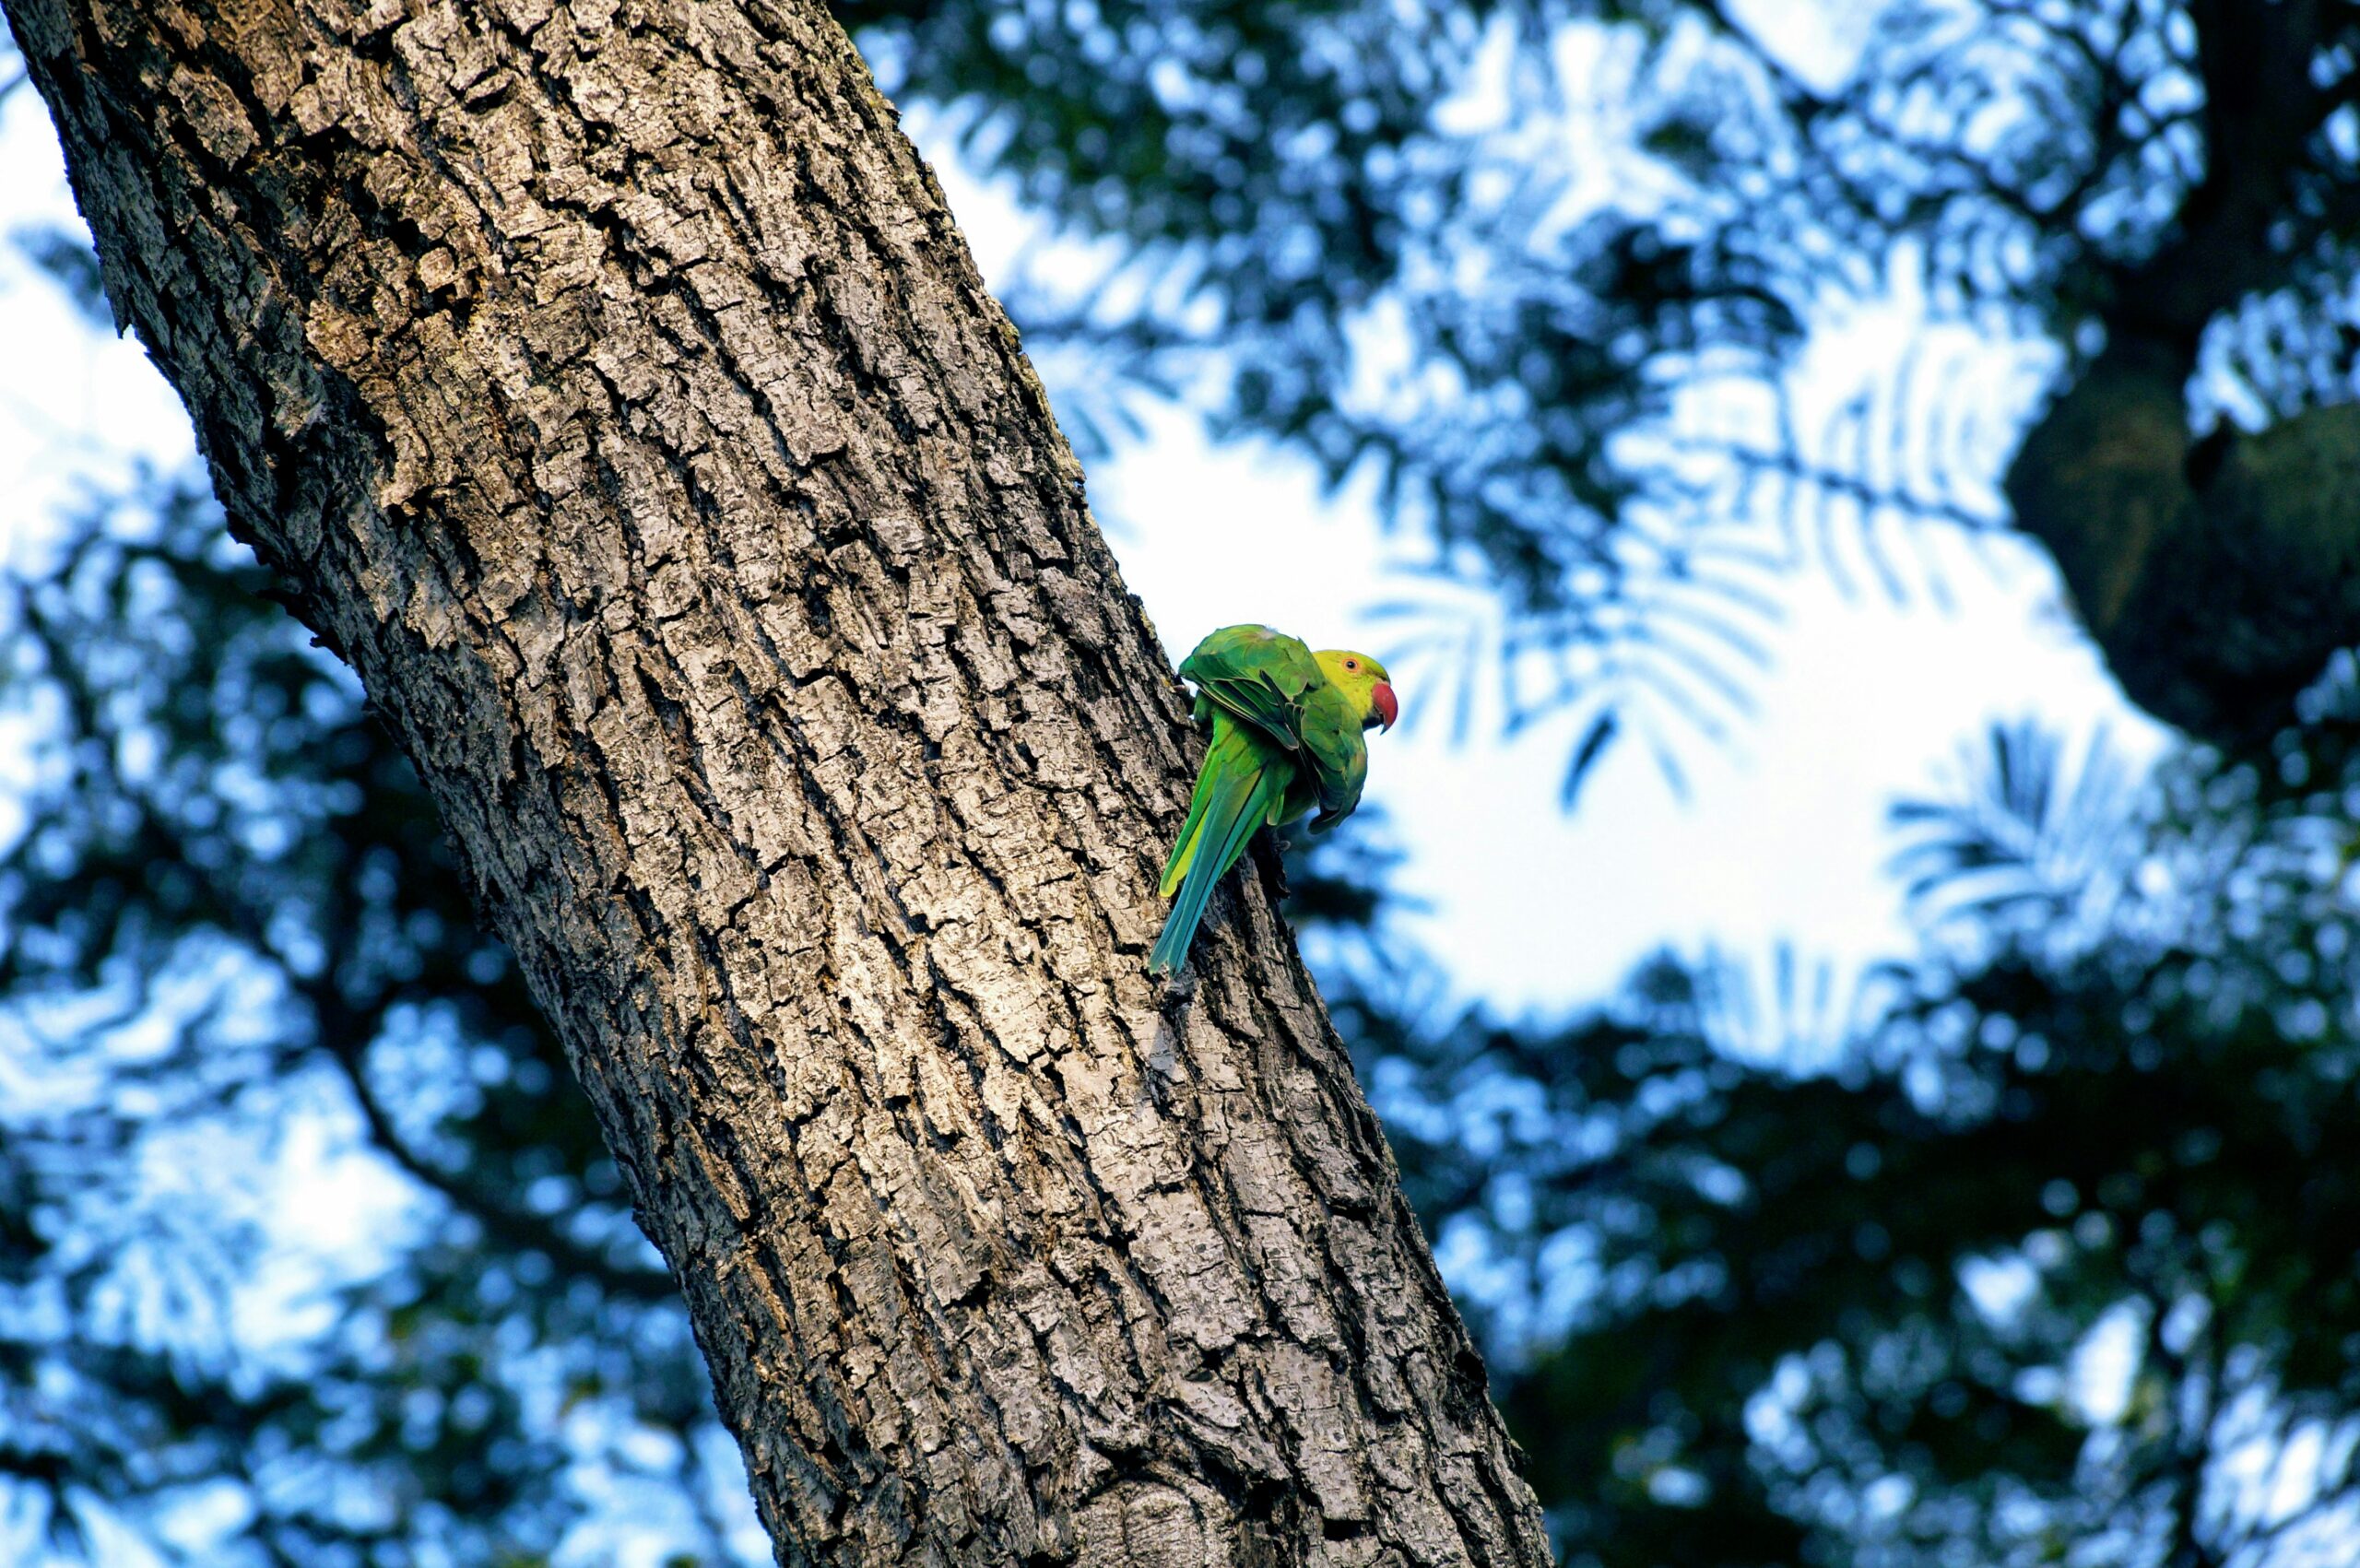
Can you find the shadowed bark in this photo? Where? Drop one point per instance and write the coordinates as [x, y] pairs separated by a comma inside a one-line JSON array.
[[608, 384], [2217, 576]]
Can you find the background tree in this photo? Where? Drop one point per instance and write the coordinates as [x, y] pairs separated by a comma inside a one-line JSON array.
[[231, 910], [2052, 1261], [1550, 295], [2045, 1253]]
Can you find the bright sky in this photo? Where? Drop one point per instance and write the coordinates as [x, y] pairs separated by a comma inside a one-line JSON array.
[[1780, 836]]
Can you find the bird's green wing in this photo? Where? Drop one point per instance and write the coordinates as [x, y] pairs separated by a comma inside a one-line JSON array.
[[1240, 788], [1337, 748], [1257, 675]]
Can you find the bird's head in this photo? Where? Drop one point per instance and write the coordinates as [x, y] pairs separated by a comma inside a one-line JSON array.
[[1363, 680]]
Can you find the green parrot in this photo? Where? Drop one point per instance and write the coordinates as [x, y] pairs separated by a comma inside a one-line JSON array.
[[1287, 726]]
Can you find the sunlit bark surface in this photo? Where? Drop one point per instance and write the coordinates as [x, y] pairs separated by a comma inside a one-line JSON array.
[[608, 383]]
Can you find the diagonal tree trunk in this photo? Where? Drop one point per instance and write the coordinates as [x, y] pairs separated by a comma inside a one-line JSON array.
[[608, 384]]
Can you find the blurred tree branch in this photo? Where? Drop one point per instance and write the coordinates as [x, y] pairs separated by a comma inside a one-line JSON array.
[[2123, 176], [2217, 576]]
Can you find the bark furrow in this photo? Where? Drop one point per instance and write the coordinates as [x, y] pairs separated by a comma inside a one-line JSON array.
[[611, 386]]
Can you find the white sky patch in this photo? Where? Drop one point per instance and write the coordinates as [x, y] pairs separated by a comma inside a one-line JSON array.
[[340, 1212], [1820, 40], [1780, 835], [2106, 1365], [77, 406], [1999, 1287]]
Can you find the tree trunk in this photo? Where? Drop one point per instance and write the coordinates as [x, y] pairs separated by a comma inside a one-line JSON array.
[[2216, 576], [607, 382]]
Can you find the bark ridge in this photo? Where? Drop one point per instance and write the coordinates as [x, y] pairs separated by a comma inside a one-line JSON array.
[[612, 388]]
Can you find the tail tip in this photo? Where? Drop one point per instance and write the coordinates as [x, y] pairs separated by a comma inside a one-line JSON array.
[[1166, 959]]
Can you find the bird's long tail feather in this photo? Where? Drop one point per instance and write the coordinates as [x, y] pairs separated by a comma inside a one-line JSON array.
[[1234, 794]]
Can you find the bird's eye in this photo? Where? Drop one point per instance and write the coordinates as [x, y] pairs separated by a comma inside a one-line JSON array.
[[1351, 664]]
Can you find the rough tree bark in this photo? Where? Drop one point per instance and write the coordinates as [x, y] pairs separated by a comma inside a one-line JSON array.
[[608, 383]]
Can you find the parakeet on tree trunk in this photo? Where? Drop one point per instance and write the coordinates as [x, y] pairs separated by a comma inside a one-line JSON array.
[[1287, 726]]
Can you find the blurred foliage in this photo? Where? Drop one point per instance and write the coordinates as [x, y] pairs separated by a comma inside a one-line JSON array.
[[1542, 273], [310, 1241], [2044, 1253], [2042, 1250], [2057, 1259]]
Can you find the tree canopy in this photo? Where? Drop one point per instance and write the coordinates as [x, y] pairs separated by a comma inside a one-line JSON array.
[[1547, 269], [2040, 1250]]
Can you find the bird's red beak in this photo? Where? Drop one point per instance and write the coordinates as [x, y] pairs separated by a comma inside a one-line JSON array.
[[1389, 707]]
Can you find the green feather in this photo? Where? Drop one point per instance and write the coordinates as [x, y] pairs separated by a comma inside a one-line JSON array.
[[1288, 734], [1260, 676], [1241, 788]]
